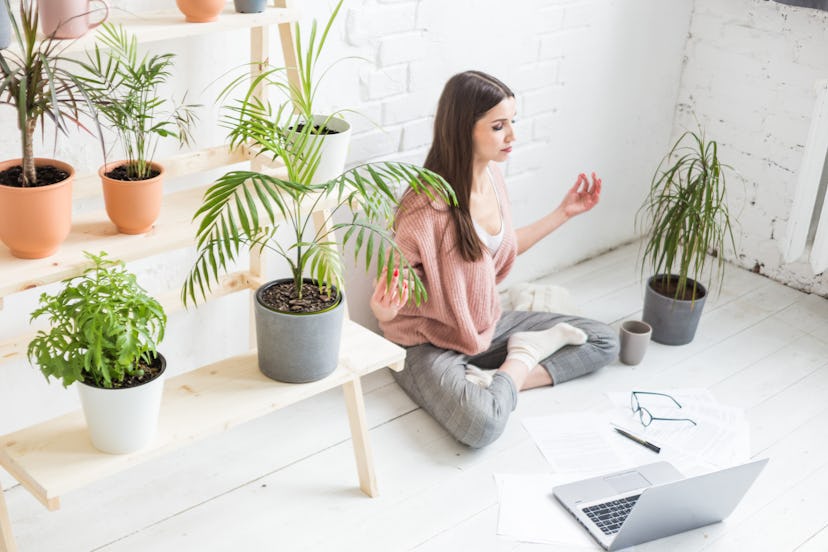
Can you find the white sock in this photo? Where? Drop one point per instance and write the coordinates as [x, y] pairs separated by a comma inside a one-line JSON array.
[[532, 347], [483, 378]]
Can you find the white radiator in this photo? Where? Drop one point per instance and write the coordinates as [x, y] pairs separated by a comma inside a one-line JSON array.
[[813, 177]]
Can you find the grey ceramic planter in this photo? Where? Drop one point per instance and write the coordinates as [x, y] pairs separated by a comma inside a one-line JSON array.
[[5, 27], [250, 6], [674, 322], [297, 348]]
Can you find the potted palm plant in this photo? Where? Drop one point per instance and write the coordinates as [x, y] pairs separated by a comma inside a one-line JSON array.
[[687, 222], [104, 334], [35, 193], [125, 89], [299, 319]]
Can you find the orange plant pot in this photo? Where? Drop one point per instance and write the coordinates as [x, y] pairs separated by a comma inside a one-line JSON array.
[[200, 11], [133, 205], [35, 221]]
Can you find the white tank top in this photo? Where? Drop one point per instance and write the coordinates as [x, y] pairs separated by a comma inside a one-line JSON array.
[[492, 242]]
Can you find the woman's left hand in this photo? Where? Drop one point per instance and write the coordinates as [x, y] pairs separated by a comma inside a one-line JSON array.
[[582, 197]]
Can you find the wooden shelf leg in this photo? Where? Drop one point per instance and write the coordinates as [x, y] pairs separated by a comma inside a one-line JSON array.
[[359, 435], [6, 537]]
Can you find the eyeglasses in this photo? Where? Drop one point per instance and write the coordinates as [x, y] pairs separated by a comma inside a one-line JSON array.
[[644, 413]]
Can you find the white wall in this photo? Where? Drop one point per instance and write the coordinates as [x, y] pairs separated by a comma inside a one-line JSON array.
[[593, 95], [749, 75]]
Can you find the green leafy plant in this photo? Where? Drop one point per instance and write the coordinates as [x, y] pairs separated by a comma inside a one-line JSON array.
[[125, 89], [34, 82], [244, 209], [685, 215], [103, 327]]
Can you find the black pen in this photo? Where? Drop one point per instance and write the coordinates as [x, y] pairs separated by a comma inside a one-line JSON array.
[[638, 440]]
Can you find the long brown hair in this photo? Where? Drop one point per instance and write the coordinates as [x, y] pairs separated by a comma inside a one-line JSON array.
[[465, 99]]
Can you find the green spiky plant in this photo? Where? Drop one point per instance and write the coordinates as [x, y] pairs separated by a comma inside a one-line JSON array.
[[125, 89], [686, 218], [244, 209], [34, 81]]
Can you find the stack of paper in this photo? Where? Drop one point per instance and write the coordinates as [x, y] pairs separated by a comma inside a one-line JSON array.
[[584, 444], [529, 512], [719, 439]]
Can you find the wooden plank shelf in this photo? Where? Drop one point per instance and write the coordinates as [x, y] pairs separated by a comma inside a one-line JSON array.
[[156, 26], [56, 456], [94, 232]]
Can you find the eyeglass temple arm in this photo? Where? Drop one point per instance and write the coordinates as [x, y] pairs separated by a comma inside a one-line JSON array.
[[660, 394], [674, 419]]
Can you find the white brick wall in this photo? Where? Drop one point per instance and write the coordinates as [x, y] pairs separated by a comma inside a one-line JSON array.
[[749, 78]]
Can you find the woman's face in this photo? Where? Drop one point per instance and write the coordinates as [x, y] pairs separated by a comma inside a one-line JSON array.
[[493, 133]]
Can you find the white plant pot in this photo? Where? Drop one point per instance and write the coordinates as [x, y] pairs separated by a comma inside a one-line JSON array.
[[334, 150], [121, 421]]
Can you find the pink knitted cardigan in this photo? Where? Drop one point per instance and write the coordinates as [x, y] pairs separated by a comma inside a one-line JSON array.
[[463, 305]]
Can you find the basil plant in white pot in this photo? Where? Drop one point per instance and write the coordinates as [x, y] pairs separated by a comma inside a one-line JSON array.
[[104, 332]]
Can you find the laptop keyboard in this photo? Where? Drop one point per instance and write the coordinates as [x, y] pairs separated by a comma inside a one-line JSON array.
[[610, 515]]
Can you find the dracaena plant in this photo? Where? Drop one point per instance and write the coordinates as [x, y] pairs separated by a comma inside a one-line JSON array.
[[34, 81], [245, 209], [104, 327], [685, 217], [125, 89]]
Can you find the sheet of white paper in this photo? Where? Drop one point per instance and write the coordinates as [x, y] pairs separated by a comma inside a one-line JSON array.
[[528, 511], [721, 437], [575, 443]]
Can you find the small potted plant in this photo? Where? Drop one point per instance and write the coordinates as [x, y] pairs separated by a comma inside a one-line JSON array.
[[125, 89], [299, 319], [36, 193], [104, 332], [686, 221]]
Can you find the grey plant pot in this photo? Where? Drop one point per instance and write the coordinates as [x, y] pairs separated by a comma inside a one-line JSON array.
[[674, 322], [5, 27], [297, 348], [250, 6]]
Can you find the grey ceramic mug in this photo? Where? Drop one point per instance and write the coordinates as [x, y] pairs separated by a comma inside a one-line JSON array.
[[634, 337]]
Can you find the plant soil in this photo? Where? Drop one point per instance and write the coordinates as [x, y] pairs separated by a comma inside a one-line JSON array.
[[281, 297], [120, 173], [151, 371], [317, 130], [667, 287], [46, 175]]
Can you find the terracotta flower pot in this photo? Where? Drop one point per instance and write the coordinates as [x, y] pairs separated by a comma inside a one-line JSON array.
[[200, 11], [35, 221], [133, 205]]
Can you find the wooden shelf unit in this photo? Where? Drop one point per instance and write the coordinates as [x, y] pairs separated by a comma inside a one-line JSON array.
[[55, 457]]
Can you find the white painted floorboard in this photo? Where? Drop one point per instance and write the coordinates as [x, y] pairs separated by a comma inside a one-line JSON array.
[[287, 482]]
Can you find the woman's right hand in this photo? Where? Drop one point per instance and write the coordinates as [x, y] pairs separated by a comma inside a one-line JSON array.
[[387, 300]]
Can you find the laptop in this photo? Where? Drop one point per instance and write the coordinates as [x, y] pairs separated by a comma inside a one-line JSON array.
[[649, 502]]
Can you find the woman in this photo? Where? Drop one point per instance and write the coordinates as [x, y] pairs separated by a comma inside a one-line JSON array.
[[466, 359]]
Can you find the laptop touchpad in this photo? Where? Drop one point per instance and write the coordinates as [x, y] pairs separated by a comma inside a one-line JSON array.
[[628, 481]]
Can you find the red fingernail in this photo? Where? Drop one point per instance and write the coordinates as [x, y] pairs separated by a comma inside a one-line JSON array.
[[396, 272]]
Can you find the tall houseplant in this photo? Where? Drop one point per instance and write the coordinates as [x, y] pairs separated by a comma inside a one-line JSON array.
[[686, 220], [36, 194], [125, 89], [245, 209], [104, 332]]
